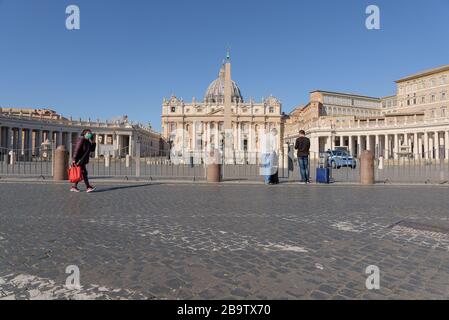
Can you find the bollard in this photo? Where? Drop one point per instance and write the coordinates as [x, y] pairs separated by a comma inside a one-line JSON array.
[[61, 164], [367, 168], [214, 173]]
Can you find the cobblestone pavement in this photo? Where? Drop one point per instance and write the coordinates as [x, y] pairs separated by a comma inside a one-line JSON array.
[[224, 242]]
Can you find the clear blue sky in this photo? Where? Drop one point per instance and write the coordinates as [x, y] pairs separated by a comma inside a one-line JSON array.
[[128, 55]]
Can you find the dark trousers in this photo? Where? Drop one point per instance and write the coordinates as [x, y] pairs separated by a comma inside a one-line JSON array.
[[304, 168], [85, 176]]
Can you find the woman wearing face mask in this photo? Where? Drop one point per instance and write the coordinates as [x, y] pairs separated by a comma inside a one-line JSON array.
[[81, 155]]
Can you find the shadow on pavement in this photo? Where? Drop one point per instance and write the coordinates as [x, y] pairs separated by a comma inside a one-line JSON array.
[[99, 189]]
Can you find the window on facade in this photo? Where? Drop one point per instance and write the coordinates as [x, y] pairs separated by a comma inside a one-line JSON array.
[[173, 109], [432, 98], [423, 99], [433, 82], [443, 95]]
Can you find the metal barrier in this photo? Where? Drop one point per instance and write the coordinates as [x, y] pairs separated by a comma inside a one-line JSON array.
[[414, 169], [243, 166], [35, 162]]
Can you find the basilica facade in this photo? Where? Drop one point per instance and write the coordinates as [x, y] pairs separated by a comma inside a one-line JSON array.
[[193, 128]]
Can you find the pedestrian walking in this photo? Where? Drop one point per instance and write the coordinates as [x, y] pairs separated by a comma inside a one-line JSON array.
[[81, 155], [302, 146]]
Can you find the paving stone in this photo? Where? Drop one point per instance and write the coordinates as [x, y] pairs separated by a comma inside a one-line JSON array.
[[218, 242]]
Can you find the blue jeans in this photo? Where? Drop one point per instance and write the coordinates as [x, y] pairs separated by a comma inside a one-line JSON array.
[[304, 168]]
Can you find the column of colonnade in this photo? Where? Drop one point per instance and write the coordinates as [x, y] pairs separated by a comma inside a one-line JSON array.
[[211, 129], [425, 144], [26, 142]]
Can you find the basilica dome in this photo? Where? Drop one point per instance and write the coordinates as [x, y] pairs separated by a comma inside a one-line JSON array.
[[215, 91]]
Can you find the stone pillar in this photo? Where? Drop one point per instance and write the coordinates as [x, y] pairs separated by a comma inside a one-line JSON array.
[[368, 143], [137, 159], [432, 146], [70, 144], [377, 146], [396, 146], [367, 168], [385, 146], [420, 146], [58, 139], [217, 136], [28, 143], [19, 142], [61, 164], [119, 145], [250, 139], [359, 146], [236, 137], [194, 135], [314, 147], [426, 146], [415, 146], [436, 145], [446, 145], [131, 145], [351, 145], [97, 149], [11, 142], [207, 143]]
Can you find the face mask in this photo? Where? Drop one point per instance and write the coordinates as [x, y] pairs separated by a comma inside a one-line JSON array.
[[89, 136]]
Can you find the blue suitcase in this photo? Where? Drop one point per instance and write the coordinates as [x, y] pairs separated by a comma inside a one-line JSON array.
[[323, 175]]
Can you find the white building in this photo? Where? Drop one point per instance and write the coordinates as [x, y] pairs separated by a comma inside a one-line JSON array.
[[197, 126], [25, 131], [414, 123]]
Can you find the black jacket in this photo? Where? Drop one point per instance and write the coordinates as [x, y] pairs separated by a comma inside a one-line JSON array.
[[303, 146], [82, 151]]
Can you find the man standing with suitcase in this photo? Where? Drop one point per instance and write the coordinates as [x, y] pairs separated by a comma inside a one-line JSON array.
[[302, 145]]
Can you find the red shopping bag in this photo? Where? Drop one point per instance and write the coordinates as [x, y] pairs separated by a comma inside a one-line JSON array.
[[75, 174]]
